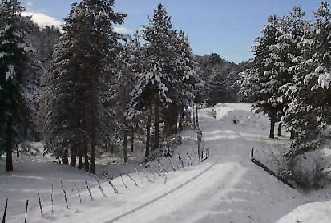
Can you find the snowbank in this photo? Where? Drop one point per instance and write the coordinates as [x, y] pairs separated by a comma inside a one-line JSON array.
[[316, 212]]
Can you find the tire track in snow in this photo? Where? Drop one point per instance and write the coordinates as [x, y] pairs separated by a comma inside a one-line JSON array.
[[161, 196], [215, 199], [209, 198]]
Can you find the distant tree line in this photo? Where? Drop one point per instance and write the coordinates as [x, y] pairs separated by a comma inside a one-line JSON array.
[[218, 79]]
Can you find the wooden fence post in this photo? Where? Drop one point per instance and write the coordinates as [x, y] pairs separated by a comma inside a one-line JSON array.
[[190, 159], [181, 161], [26, 211], [100, 188], [52, 199], [126, 186], [5, 212], [40, 204], [89, 190], [133, 180], [78, 191]]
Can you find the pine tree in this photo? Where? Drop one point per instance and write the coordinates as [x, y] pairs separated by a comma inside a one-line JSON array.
[[309, 106], [322, 46], [183, 83], [41, 42], [165, 80], [129, 67], [158, 35], [60, 126], [79, 65], [286, 54], [153, 86], [277, 54], [12, 60], [262, 75]]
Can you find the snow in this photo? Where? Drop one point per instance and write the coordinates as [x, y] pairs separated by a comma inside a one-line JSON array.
[[225, 188], [316, 212], [2, 55], [325, 80], [10, 73], [224, 110]]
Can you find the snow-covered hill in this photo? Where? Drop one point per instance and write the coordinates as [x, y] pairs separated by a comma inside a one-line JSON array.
[[225, 188]]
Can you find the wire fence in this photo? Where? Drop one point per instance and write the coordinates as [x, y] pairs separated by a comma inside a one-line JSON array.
[[89, 191]]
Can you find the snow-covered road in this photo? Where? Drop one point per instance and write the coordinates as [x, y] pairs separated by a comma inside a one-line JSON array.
[[232, 189]]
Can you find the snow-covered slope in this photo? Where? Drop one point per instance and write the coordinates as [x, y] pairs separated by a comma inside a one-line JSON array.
[[315, 212], [225, 188]]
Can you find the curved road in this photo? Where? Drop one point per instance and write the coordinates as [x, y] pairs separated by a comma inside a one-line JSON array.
[[230, 190]]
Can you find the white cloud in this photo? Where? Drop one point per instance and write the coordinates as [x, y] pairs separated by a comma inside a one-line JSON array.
[[121, 30], [43, 20]]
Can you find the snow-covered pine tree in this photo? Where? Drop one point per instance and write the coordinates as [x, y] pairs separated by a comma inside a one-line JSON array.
[[159, 35], [60, 104], [118, 83], [261, 76], [248, 83], [309, 97], [276, 54], [285, 56], [12, 62], [160, 56], [41, 42], [136, 68], [181, 90], [129, 66], [85, 49], [165, 84], [322, 46], [301, 118], [140, 106]]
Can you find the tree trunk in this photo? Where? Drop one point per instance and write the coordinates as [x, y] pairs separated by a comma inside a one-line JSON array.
[[279, 129], [87, 163], [157, 122], [92, 164], [181, 119], [112, 148], [197, 117], [73, 154], [80, 159], [9, 144], [17, 151], [292, 134], [166, 127], [92, 113], [125, 145], [148, 133], [175, 119], [272, 128], [132, 140], [193, 116], [65, 160]]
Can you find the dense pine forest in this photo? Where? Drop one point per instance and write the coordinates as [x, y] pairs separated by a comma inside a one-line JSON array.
[[138, 81], [87, 93]]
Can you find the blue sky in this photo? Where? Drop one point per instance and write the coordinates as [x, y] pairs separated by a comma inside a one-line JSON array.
[[227, 27]]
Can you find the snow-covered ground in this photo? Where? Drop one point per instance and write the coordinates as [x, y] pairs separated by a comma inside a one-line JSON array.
[[225, 188]]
